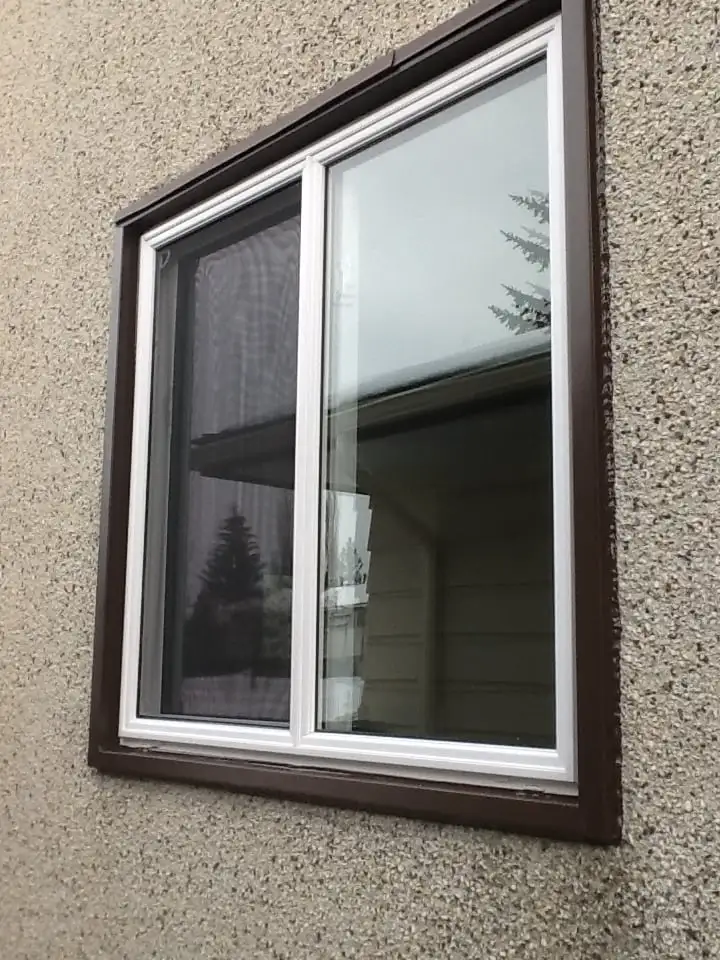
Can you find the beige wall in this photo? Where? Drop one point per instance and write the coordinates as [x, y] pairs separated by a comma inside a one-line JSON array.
[[100, 101]]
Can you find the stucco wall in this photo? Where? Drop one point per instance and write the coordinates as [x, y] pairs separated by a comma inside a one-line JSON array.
[[100, 101]]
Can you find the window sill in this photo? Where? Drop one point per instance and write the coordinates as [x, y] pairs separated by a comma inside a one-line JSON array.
[[552, 816], [514, 767]]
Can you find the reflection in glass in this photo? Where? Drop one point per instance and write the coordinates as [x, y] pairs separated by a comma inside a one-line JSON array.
[[437, 574], [229, 296]]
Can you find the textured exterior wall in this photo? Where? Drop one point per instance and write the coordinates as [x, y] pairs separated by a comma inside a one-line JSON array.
[[103, 100]]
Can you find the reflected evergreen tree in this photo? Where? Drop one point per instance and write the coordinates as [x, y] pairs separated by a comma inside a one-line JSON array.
[[277, 601], [530, 309], [284, 562], [331, 508], [351, 567], [224, 631]]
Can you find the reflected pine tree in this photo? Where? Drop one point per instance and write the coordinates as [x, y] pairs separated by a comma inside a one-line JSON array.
[[529, 309], [277, 604], [224, 631], [351, 567]]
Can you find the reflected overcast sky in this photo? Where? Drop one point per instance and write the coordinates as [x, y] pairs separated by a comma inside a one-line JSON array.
[[417, 257]]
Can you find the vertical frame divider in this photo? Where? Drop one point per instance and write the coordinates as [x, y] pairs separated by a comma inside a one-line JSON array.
[[306, 531], [563, 545], [130, 672]]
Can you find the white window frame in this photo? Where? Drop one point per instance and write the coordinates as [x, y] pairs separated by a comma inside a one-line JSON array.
[[550, 770]]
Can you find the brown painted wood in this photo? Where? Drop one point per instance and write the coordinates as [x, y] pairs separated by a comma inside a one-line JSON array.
[[536, 814], [110, 596], [597, 632], [595, 815]]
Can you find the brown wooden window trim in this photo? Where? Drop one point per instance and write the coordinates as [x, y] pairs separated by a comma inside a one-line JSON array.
[[594, 815]]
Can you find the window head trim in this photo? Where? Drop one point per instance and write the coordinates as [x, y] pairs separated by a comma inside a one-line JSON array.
[[512, 55]]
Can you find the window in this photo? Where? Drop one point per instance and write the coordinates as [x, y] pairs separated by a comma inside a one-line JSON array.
[[355, 548]]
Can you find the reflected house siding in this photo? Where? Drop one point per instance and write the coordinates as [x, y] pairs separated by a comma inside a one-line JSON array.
[[459, 634]]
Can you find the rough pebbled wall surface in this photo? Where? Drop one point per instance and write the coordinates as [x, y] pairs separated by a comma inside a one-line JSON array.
[[101, 101]]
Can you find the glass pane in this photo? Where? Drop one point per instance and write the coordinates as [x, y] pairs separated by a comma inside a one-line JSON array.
[[437, 574], [229, 297]]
